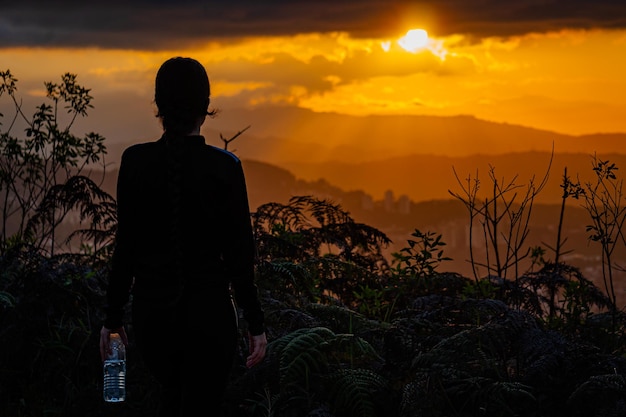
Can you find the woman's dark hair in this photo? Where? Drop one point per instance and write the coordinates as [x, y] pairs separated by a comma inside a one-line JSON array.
[[182, 95]]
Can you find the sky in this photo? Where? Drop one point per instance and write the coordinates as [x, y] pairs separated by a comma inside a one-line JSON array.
[[550, 65]]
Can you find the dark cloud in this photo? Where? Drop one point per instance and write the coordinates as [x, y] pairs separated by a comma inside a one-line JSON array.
[[157, 24]]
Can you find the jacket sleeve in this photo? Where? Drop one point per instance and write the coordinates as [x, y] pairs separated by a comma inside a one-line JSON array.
[[240, 252], [121, 272]]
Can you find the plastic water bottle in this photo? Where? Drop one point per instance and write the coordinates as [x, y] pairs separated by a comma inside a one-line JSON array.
[[114, 389]]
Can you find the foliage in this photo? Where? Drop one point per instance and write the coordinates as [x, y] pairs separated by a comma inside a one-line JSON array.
[[315, 250], [578, 296], [422, 256], [36, 169], [48, 325], [317, 363], [603, 200]]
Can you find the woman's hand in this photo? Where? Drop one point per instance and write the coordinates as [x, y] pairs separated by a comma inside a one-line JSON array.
[[105, 335], [258, 345]]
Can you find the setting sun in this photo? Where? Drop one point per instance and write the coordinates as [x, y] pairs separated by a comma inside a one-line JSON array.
[[417, 40], [414, 40]]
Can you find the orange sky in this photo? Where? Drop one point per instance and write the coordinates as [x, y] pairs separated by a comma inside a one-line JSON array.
[[564, 79]]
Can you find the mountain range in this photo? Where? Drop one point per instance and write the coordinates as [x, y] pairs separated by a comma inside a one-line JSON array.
[[422, 157], [290, 134]]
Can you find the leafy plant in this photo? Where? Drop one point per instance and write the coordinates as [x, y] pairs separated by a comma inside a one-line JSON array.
[[317, 241], [35, 168], [603, 200]]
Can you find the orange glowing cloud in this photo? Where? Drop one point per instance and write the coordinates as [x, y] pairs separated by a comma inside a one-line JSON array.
[[569, 81]]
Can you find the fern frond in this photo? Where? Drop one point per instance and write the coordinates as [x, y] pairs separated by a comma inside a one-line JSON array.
[[350, 348], [503, 398], [600, 392], [284, 320], [484, 396], [475, 349], [352, 391], [342, 319], [301, 353]]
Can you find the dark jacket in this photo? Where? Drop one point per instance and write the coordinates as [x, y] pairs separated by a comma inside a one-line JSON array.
[[187, 231]]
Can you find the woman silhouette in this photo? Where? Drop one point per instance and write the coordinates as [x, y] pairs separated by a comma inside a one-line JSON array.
[[184, 244]]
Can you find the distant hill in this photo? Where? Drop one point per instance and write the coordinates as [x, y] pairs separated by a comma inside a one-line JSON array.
[[287, 137], [301, 135], [430, 177], [421, 178]]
